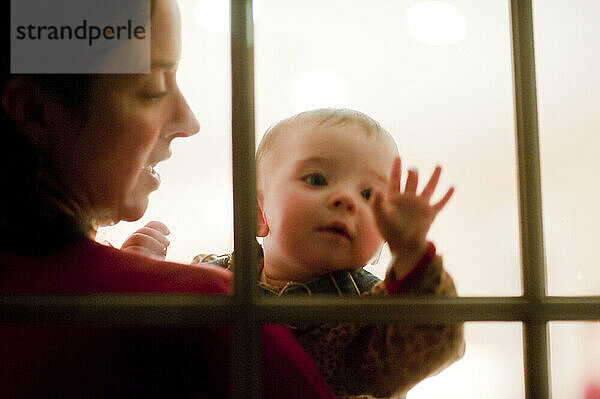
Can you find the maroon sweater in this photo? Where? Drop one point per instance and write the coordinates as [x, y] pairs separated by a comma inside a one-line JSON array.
[[67, 361]]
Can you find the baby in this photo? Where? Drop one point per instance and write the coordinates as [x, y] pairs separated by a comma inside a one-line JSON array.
[[327, 202]]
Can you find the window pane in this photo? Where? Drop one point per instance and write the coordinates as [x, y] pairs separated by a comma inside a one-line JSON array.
[[567, 37], [575, 360], [443, 90], [492, 367], [195, 197], [445, 101]]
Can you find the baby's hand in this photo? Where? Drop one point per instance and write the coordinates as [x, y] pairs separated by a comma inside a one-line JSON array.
[[404, 218], [150, 240]]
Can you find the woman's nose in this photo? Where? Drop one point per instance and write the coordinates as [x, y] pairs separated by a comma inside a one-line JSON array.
[[183, 122]]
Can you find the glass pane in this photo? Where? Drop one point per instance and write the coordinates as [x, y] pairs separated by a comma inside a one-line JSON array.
[[437, 75], [195, 197], [575, 360], [567, 37], [492, 367]]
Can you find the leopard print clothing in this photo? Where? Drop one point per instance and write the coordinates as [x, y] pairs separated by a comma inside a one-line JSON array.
[[385, 361], [379, 361]]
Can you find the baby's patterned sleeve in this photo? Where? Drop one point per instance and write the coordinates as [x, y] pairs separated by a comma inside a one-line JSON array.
[[386, 361]]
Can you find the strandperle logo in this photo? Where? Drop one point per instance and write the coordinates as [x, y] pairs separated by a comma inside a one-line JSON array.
[[84, 31], [80, 36]]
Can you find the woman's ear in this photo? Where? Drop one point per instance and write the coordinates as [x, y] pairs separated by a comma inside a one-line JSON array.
[[262, 229], [25, 103]]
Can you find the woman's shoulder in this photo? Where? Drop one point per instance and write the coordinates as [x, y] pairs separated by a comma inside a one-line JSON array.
[[90, 267]]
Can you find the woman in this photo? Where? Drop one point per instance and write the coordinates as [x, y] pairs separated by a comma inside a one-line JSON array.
[[78, 152]]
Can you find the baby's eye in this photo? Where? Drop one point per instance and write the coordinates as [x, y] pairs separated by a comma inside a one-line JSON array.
[[315, 180], [366, 193]]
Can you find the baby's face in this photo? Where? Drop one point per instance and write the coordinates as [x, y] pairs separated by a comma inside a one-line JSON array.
[[316, 199]]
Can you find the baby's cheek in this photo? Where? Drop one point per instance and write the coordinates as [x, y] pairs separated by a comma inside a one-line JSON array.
[[372, 238], [288, 216], [298, 207]]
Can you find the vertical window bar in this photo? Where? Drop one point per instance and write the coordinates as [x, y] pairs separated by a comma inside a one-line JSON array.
[[246, 339], [536, 366]]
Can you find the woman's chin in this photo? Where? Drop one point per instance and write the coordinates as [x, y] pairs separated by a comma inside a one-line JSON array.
[[136, 203], [133, 210]]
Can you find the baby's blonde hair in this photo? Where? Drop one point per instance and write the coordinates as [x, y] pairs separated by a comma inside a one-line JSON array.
[[320, 117]]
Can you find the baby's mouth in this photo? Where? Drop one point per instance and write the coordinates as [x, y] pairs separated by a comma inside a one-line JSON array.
[[338, 229]]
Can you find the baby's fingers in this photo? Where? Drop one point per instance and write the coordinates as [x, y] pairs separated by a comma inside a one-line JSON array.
[[139, 239], [432, 183], [393, 185], [378, 206], [156, 230], [158, 226], [441, 203], [150, 239], [412, 181]]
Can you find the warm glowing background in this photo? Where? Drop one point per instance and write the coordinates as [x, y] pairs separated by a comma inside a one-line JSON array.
[[438, 76]]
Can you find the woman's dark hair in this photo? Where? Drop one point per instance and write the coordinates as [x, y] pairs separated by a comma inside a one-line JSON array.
[[33, 216], [32, 219]]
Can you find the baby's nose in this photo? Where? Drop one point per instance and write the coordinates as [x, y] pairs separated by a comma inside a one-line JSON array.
[[343, 202]]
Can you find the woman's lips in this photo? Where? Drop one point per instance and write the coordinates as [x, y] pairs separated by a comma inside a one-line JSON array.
[[152, 176]]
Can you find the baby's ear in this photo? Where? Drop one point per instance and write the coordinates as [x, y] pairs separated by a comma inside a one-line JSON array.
[[262, 229]]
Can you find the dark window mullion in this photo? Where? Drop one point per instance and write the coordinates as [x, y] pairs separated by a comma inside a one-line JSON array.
[[536, 349], [246, 338], [177, 309], [425, 309]]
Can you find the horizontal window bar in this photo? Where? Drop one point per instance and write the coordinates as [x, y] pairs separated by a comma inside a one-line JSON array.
[[443, 310], [191, 309], [118, 309]]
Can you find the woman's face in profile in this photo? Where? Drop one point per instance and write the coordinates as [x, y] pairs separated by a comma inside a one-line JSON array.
[[131, 123]]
